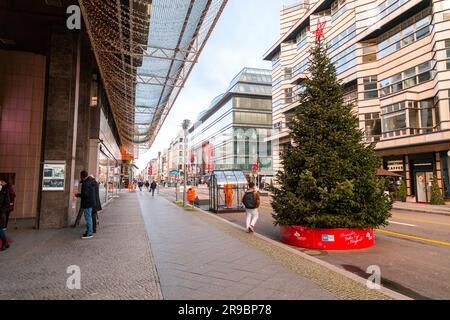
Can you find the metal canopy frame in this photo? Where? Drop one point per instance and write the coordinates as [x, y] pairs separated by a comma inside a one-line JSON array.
[[142, 67]]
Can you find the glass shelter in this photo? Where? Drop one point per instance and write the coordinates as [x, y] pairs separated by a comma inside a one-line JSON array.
[[226, 190]]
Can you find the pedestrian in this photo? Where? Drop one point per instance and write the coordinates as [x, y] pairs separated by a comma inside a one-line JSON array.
[[140, 184], [4, 241], [251, 201], [147, 185], [4, 204], [153, 187], [88, 201], [97, 207]]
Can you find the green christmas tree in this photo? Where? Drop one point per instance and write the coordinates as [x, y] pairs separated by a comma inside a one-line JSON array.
[[437, 198], [329, 178]]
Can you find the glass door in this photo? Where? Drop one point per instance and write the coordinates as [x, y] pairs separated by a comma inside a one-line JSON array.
[[423, 186]]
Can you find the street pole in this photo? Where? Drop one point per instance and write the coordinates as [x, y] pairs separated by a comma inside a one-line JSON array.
[[185, 126], [159, 170]]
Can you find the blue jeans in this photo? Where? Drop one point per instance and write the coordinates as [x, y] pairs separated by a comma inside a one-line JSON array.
[[88, 217], [3, 237], [153, 192]]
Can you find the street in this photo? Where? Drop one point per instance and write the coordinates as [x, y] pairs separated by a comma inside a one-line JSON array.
[[412, 252]]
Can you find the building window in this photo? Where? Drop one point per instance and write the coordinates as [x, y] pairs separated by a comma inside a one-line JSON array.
[[369, 52], [342, 38], [338, 7], [447, 47], [387, 7], [407, 79], [370, 87], [410, 118], [276, 84], [302, 38], [345, 60], [287, 73], [301, 67], [276, 61], [413, 29], [276, 105], [288, 95], [372, 127]]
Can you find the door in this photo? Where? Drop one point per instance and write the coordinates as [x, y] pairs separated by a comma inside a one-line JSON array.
[[423, 186]]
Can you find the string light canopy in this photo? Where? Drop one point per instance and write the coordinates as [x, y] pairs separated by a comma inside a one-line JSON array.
[[146, 50]]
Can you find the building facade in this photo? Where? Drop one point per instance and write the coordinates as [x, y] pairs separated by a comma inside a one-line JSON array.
[[233, 133], [393, 58]]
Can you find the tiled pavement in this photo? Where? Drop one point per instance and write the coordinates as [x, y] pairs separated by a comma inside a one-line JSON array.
[[116, 264], [200, 257], [183, 255]]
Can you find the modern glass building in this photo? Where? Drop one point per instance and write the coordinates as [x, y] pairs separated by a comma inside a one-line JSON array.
[[392, 57], [233, 132]]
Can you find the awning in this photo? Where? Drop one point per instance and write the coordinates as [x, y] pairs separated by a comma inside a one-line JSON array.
[[146, 50], [386, 173]]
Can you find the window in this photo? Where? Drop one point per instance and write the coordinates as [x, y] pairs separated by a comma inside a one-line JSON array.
[[369, 52], [410, 118], [345, 60], [253, 118], [342, 38], [407, 79], [372, 127], [370, 87], [413, 29], [338, 7], [447, 46], [302, 38], [288, 95], [301, 67], [276, 84], [276, 105], [276, 61], [287, 73]]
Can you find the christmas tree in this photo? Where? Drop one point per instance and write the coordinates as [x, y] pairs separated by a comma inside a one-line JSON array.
[[329, 178]]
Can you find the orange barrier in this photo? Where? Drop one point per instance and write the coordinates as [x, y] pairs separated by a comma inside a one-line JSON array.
[[228, 195], [191, 195]]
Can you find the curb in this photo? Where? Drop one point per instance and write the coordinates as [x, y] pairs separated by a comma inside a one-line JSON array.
[[388, 292], [439, 213]]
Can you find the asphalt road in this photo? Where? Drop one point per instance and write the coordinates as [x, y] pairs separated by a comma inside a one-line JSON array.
[[413, 252]]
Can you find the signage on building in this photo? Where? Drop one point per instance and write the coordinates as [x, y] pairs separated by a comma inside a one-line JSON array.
[[54, 176], [150, 170], [396, 166]]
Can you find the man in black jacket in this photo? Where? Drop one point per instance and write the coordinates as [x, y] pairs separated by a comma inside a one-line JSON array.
[[88, 201]]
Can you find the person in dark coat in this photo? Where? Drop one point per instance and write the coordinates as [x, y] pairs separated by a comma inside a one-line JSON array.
[[4, 207], [4, 204], [153, 187], [12, 198], [88, 201], [97, 208]]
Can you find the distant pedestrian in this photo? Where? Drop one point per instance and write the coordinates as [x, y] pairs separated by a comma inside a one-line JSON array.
[[88, 201], [140, 185], [147, 185], [4, 204], [251, 201], [12, 198], [153, 187]]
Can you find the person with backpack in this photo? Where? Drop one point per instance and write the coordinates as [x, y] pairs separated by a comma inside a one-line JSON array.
[[153, 187], [251, 201]]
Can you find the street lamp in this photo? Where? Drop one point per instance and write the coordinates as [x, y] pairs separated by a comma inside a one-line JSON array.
[[186, 123]]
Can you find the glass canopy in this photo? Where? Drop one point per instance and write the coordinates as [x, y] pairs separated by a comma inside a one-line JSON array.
[[146, 50]]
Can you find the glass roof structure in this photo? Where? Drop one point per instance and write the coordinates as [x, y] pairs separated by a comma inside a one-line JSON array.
[[146, 50]]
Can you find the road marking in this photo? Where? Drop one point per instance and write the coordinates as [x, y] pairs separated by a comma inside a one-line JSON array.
[[402, 224], [424, 221], [413, 237]]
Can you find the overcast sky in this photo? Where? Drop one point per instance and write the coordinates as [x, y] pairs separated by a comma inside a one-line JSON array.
[[245, 31]]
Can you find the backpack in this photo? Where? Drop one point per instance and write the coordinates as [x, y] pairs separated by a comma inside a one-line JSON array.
[[249, 200]]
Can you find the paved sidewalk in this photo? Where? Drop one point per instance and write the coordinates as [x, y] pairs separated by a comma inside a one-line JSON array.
[[200, 257], [116, 264], [425, 208]]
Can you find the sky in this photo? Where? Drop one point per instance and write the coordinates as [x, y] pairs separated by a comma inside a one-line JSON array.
[[245, 31]]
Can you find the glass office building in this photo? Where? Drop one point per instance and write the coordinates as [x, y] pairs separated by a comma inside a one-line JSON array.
[[233, 132]]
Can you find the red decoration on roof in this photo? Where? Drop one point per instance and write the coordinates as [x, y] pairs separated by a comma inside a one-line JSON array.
[[320, 31]]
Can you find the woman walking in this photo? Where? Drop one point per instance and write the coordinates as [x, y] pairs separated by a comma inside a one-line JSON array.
[[251, 201]]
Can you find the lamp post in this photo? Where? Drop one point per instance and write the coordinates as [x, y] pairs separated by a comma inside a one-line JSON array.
[[159, 170], [185, 125]]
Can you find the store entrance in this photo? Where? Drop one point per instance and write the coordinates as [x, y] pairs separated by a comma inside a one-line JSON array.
[[423, 186]]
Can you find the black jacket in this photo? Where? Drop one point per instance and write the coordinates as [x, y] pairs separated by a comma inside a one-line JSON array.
[[153, 185], [97, 197], [4, 200], [87, 195]]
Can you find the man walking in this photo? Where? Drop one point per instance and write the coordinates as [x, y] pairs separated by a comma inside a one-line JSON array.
[[153, 187], [251, 201], [88, 201]]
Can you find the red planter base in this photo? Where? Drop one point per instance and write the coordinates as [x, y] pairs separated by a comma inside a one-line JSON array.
[[327, 239]]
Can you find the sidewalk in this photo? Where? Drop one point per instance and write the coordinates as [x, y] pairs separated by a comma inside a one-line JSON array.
[[424, 208], [186, 255], [116, 264]]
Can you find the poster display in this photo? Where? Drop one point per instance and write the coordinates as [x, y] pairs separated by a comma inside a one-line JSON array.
[[54, 176]]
